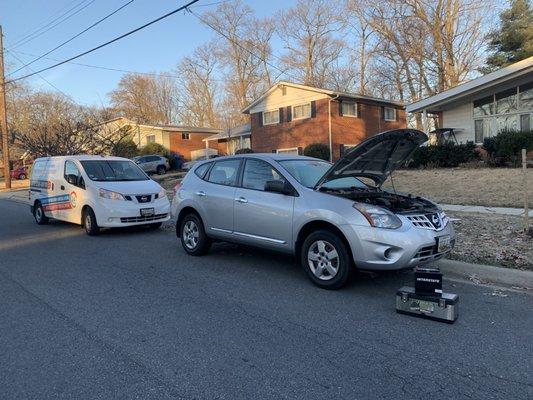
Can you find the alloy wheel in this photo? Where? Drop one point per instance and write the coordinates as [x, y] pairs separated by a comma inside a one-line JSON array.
[[323, 260], [190, 234]]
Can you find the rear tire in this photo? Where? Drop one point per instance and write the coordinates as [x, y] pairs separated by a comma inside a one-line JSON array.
[[192, 235], [89, 222], [38, 214], [325, 258], [22, 176], [161, 170]]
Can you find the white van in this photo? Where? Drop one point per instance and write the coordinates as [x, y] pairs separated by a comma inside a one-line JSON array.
[[95, 191]]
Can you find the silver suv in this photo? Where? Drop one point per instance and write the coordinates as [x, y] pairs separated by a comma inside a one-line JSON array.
[[331, 217], [153, 164]]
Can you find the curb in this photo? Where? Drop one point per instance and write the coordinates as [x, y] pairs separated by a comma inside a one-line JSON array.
[[487, 273]]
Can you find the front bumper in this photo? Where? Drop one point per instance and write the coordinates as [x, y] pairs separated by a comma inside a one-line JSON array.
[[394, 249], [117, 213]]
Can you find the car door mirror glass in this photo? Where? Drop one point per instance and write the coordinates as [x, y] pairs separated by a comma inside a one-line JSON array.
[[72, 179]]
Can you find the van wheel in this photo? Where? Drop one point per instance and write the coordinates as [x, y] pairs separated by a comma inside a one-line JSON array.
[[161, 170], [38, 214], [89, 222], [192, 234], [326, 260]]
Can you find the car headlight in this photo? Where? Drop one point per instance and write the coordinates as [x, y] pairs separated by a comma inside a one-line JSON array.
[[378, 217], [162, 194], [444, 218], [108, 194]]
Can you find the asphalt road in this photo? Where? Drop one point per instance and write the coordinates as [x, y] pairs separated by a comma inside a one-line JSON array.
[[128, 315]]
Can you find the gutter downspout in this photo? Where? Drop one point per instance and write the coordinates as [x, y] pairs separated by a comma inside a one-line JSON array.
[[329, 128]]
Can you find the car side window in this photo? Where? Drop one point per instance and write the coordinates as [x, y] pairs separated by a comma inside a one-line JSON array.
[[153, 158], [257, 173], [72, 169], [202, 169], [225, 172]]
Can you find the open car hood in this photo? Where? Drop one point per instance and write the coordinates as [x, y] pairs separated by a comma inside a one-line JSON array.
[[376, 157]]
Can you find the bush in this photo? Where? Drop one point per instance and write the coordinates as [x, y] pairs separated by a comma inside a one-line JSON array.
[[125, 148], [317, 150], [446, 155], [505, 148], [154, 148], [244, 151]]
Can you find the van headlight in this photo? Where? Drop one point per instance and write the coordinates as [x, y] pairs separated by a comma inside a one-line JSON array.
[[162, 194], [108, 194], [378, 217]]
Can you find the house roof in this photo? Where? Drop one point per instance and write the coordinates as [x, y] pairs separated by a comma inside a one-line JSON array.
[[237, 131], [475, 85], [332, 93], [174, 128]]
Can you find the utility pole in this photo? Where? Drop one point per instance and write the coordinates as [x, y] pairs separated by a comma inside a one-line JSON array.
[[3, 116]]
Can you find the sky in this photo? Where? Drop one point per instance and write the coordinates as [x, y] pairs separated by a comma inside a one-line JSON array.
[[154, 49]]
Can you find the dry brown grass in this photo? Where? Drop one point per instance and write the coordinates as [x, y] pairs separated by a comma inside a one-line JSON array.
[[485, 186]]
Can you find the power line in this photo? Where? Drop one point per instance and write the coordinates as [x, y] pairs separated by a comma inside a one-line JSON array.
[[108, 42], [74, 37], [38, 34]]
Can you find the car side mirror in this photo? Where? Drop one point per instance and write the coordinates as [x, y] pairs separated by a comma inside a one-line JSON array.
[[279, 186], [72, 179]]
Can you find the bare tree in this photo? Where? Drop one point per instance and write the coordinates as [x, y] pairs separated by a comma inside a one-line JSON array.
[[199, 88], [309, 32], [146, 99]]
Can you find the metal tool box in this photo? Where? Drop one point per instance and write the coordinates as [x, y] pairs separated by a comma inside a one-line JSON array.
[[443, 307]]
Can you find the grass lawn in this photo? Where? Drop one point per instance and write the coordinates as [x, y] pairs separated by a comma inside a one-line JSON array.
[[485, 186]]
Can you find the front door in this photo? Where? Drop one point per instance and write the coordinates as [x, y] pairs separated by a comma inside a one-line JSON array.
[[262, 218], [219, 197]]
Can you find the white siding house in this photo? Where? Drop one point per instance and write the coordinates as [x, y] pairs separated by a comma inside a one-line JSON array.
[[485, 106]]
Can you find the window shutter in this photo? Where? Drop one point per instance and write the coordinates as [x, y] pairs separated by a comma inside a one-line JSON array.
[[382, 112], [288, 117], [340, 108], [300, 151], [359, 108], [281, 115], [341, 150], [260, 118], [397, 112], [313, 109]]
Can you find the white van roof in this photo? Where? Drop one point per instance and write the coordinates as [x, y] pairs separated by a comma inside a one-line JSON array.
[[82, 157]]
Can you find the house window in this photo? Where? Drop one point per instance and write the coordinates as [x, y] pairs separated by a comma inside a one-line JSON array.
[[349, 109], [478, 130], [525, 123], [292, 150], [526, 97], [185, 136], [389, 114], [484, 107], [271, 117], [150, 139], [506, 101], [301, 111]]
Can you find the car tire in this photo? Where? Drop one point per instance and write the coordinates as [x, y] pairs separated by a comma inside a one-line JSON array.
[[22, 176], [326, 260], [38, 214], [192, 235], [89, 222], [161, 170]]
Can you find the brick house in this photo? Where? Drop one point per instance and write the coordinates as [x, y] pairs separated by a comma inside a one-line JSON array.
[[289, 116], [185, 140]]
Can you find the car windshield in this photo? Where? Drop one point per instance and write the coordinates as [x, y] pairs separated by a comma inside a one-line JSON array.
[[113, 170], [308, 173]]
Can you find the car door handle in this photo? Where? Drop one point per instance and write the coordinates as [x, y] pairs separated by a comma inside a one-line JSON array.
[[241, 200], [62, 187], [201, 193]]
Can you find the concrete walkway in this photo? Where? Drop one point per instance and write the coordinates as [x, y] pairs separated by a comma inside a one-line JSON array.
[[486, 210]]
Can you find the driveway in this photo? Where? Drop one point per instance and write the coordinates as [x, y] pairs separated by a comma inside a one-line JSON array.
[[128, 315]]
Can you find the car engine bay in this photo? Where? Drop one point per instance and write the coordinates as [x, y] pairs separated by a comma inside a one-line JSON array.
[[394, 202]]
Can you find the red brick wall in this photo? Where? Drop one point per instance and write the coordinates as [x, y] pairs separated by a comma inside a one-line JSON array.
[[184, 147], [345, 130]]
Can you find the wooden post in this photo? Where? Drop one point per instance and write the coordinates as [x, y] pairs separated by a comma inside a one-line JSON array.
[[526, 199], [3, 117]]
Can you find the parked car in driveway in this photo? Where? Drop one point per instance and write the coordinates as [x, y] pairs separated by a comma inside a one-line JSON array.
[[332, 217], [96, 192], [153, 164], [19, 173]]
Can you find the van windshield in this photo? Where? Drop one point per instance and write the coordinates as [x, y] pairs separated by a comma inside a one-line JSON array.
[[113, 170]]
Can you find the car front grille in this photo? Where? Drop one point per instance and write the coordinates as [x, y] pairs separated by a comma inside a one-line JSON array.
[[144, 198], [147, 218], [435, 221]]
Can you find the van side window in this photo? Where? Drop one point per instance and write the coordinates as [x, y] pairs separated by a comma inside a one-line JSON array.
[[72, 169]]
